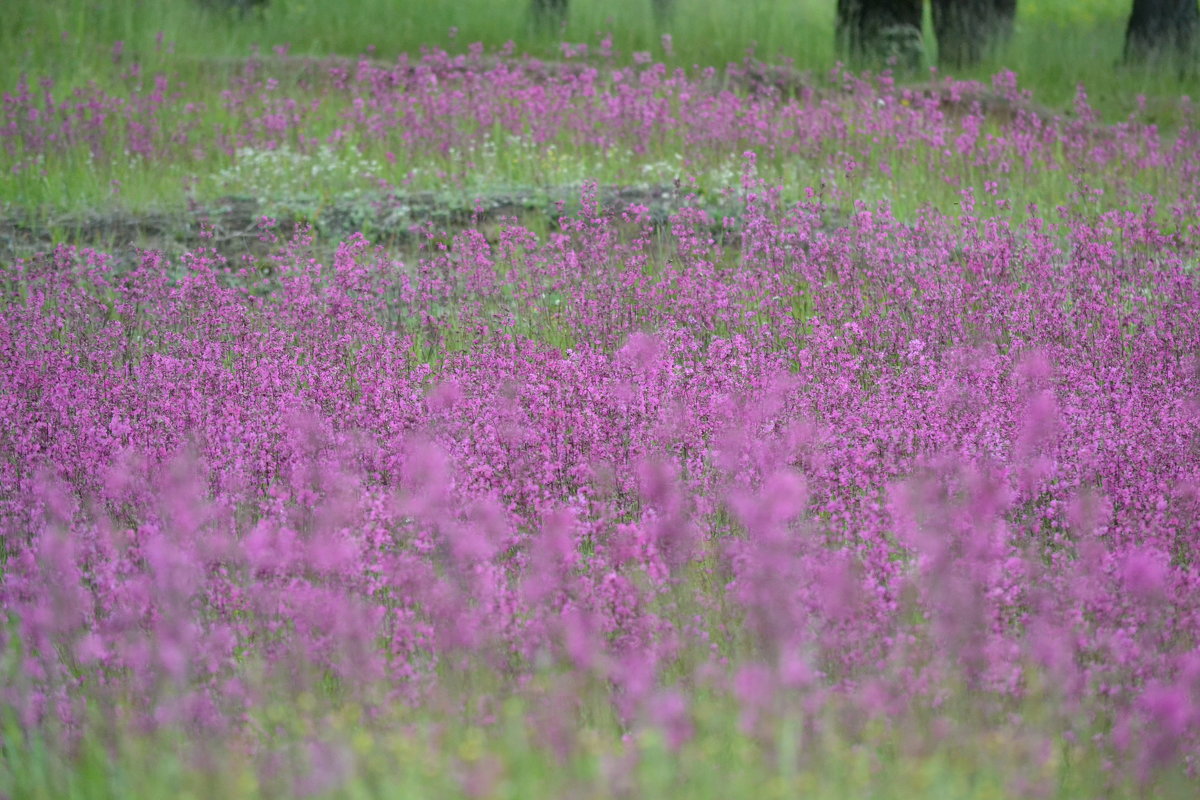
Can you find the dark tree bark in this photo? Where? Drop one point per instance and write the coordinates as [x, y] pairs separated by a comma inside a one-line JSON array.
[[1162, 29], [662, 11], [879, 32], [967, 30], [242, 8], [549, 13]]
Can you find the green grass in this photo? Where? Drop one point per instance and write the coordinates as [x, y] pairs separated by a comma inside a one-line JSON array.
[[1056, 45], [512, 756], [424, 754], [289, 184]]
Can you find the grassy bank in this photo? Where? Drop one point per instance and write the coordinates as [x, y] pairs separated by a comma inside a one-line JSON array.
[[1056, 46], [844, 443]]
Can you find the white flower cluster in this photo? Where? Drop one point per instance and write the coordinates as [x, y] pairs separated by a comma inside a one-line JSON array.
[[513, 159], [724, 174], [287, 177]]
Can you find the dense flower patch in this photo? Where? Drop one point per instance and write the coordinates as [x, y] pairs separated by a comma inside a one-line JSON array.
[[825, 463], [306, 132], [878, 464]]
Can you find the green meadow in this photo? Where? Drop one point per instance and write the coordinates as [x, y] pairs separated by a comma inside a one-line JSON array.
[[475, 739]]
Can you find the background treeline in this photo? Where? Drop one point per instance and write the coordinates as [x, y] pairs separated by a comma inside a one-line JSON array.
[[1119, 49], [967, 30]]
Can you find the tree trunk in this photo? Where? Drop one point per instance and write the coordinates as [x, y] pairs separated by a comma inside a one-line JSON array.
[[240, 7], [662, 11], [880, 32], [549, 13], [967, 30], [1162, 29]]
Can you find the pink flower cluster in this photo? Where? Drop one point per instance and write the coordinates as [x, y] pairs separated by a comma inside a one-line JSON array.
[[902, 457], [437, 105], [877, 464]]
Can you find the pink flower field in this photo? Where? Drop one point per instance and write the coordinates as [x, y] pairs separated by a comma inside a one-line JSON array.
[[826, 468]]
